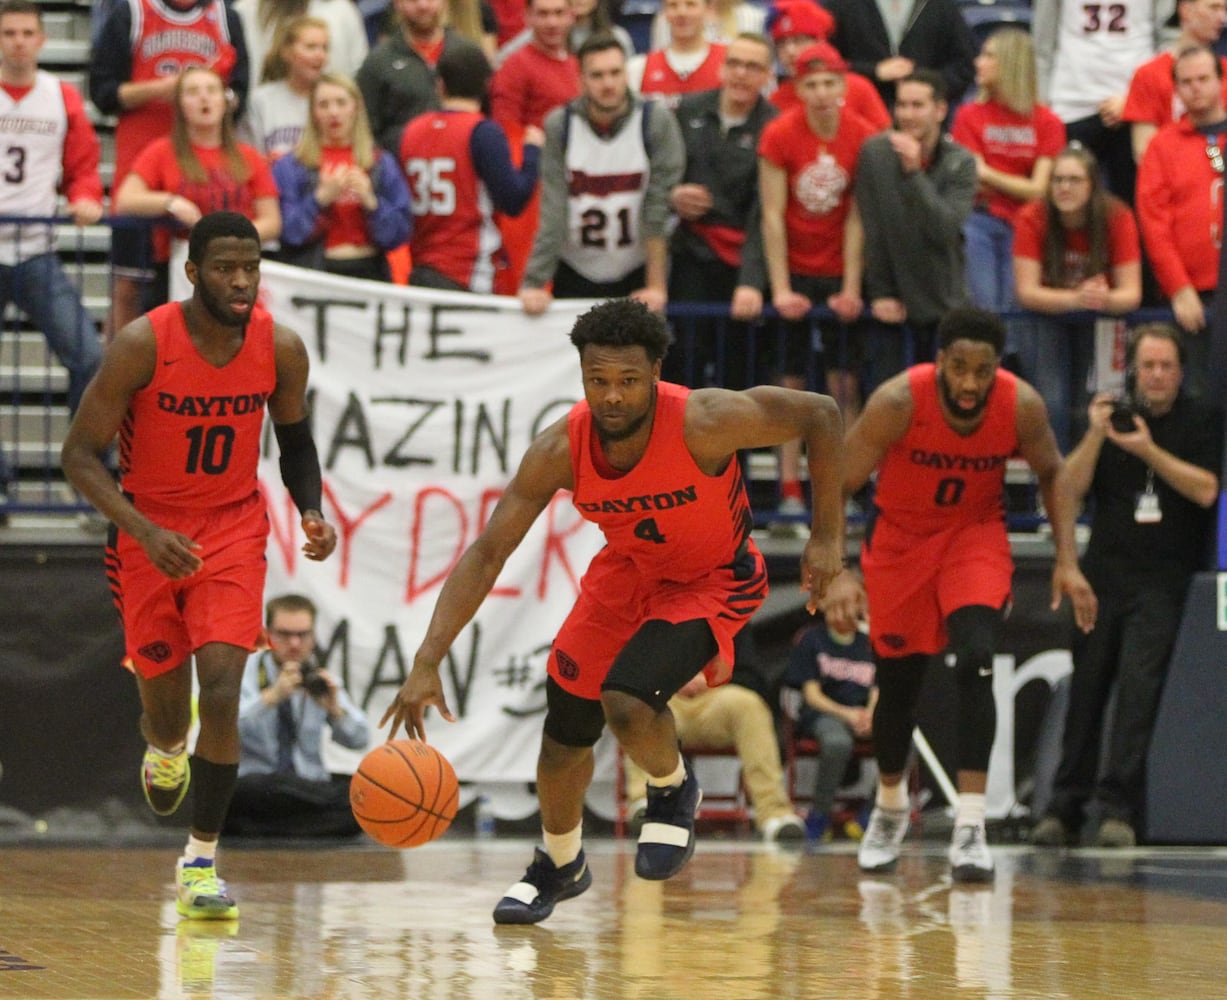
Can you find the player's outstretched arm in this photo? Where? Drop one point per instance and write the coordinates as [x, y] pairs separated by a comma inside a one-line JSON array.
[[300, 463], [126, 367], [544, 470], [1038, 446]]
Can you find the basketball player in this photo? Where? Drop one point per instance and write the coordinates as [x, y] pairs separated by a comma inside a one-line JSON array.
[[937, 563], [186, 387], [655, 466]]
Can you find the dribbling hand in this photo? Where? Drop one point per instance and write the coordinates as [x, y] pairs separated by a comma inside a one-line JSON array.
[[421, 689]]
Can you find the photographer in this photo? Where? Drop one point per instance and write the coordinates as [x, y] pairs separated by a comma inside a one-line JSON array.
[[284, 789], [1153, 486]]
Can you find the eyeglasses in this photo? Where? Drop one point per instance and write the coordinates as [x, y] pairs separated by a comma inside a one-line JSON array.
[[285, 634], [749, 67], [1215, 155]]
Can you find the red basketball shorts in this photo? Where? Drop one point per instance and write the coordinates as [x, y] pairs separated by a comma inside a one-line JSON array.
[[615, 600], [914, 582], [165, 620]]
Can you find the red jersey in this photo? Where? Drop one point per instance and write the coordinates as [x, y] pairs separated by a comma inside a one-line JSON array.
[[860, 97], [1009, 142], [191, 437], [1152, 92], [453, 226], [220, 191], [1031, 229], [662, 81], [1179, 202], [934, 478], [165, 41], [531, 84], [671, 519], [820, 174], [345, 219]]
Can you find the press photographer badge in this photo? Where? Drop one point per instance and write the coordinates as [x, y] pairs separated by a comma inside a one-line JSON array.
[[1147, 510]]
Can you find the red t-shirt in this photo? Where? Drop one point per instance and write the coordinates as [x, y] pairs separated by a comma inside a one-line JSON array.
[[1031, 228], [860, 97], [529, 85], [1009, 142], [662, 81], [934, 478], [191, 437], [820, 174], [1152, 92], [220, 191], [345, 219]]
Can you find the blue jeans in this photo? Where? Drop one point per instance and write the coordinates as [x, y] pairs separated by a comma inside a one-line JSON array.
[[40, 288], [1055, 356], [989, 243]]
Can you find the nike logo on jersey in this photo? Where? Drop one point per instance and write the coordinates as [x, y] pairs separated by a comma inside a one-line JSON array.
[[170, 362]]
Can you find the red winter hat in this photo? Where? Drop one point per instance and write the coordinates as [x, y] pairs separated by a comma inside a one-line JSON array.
[[821, 57], [800, 17]]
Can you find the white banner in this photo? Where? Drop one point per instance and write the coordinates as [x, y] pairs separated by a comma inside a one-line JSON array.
[[422, 404]]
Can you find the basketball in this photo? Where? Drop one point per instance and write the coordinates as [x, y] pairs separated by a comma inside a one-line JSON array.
[[404, 793]]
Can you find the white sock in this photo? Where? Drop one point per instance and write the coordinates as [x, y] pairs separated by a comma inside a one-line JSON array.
[[673, 780], [563, 848], [199, 850], [167, 753], [893, 797], [971, 810]]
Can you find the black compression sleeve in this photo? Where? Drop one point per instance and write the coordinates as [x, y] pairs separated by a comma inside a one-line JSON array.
[[300, 464]]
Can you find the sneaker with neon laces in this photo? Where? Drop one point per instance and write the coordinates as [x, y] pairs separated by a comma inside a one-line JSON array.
[[666, 841], [532, 899], [201, 894], [970, 860], [879, 850], [165, 778]]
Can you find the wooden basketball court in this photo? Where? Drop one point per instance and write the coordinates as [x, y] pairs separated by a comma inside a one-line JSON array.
[[742, 921]]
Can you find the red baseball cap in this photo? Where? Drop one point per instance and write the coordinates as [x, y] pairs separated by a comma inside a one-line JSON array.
[[800, 17], [821, 57]]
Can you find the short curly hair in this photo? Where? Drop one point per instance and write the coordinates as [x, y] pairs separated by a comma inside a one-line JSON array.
[[622, 323]]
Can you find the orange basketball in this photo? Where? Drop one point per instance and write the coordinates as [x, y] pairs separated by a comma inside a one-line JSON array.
[[404, 793]]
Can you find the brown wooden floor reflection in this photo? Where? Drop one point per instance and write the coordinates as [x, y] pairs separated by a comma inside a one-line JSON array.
[[742, 922]]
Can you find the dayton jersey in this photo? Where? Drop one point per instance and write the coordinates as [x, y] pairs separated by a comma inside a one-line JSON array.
[[607, 178], [191, 437], [166, 41], [934, 478], [666, 515], [453, 227]]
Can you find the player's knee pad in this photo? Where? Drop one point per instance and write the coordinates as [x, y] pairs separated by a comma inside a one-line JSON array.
[[973, 644], [899, 680]]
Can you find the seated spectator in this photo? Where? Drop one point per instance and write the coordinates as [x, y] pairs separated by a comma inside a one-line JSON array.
[[1076, 250], [263, 21], [834, 671], [279, 107], [795, 26], [199, 168], [687, 65], [459, 167], [733, 715], [286, 701], [1013, 139], [344, 200]]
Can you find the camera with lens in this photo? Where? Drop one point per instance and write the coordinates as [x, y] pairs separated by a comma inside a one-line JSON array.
[[312, 682], [1124, 408]]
